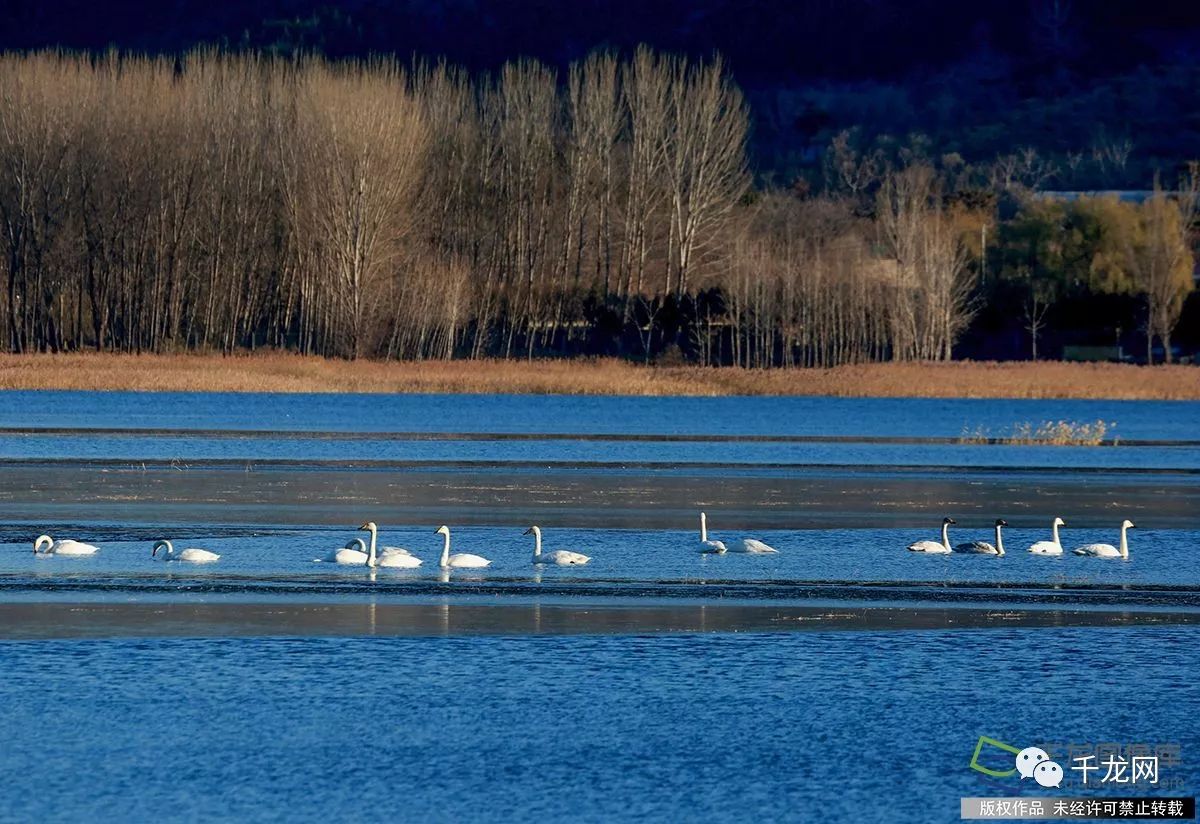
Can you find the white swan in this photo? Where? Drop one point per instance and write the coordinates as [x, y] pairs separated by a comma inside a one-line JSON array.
[[347, 555], [708, 547], [394, 557], [933, 547], [561, 557], [1053, 546], [983, 547], [748, 545], [191, 555], [1108, 550], [63, 547], [462, 560], [751, 545]]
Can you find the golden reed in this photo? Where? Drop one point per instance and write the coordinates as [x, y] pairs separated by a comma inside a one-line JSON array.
[[279, 372]]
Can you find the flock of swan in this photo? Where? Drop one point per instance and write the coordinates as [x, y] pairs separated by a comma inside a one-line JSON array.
[[1052, 547], [359, 552], [372, 555], [355, 553]]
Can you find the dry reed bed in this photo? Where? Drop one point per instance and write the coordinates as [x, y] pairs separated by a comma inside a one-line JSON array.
[[275, 372]]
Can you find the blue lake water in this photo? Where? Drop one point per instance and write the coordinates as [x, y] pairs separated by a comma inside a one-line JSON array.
[[641, 686], [1170, 420], [873, 726]]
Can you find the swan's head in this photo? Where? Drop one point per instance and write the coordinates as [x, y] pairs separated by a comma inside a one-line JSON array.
[[163, 544], [533, 530], [1127, 524], [1059, 522], [442, 530], [949, 521], [370, 526], [1001, 522], [42, 539]]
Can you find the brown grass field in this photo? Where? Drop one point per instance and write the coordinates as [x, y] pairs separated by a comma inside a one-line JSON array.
[[275, 372]]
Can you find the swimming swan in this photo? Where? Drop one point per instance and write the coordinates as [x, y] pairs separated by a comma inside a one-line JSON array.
[[983, 547], [347, 555], [933, 547], [708, 547], [1108, 550], [191, 555], [561, 557], [396, 558], [1053, 546], [64, 547], [462, 560], [749, 545]]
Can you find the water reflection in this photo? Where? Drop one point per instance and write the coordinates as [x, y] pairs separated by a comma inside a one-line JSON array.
[[99, 620]]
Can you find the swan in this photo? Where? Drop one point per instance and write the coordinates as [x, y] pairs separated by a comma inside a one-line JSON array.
[[752, 546], [933, 547], [395, 558], [1108, 550], [748, 545], [347, 555], [708, 547], [561, 557], [192, 555], [983, 547], [385, 551], [63, 547], [1051, 547], [461, 560]]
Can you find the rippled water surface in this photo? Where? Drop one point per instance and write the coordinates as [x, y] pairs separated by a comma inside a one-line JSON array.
[[765, 727]]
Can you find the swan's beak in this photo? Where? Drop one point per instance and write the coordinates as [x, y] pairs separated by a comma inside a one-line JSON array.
[[528, 531]]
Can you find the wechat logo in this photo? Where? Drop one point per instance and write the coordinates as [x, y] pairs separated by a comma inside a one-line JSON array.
[[1031, 762]]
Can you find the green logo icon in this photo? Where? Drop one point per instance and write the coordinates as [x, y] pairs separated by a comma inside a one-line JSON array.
[[993, 744]]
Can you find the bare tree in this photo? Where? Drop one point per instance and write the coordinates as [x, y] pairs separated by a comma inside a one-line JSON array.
[[362, 142], [932, 283], [705, 152]]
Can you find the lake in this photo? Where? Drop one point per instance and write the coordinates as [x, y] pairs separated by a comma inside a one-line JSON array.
[[843, 678]]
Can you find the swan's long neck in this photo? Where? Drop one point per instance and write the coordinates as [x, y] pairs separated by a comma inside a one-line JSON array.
[[166, 546], [945, 535], [999, 541], [42, 539], [445, 547], [371, 551], [703, 528], [1124, 541], [1054, 530], [537, 542]]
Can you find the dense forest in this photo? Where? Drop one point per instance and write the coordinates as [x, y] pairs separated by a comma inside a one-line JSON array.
[[629, 201]]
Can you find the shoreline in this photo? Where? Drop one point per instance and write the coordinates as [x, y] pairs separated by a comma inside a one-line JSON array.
[[289, 373]]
